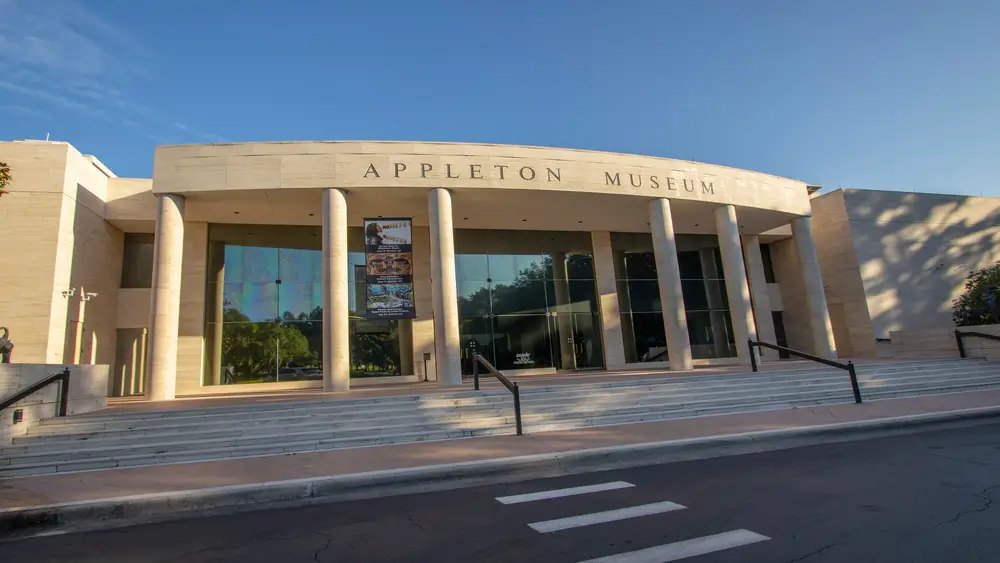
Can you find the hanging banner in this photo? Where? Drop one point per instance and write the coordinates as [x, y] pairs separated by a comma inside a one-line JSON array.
[[389, 269]]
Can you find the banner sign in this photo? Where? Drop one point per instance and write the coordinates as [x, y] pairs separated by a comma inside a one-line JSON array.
[[389, 269]]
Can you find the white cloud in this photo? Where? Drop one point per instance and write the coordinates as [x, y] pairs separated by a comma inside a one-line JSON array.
[[59, 53], [24, 110]]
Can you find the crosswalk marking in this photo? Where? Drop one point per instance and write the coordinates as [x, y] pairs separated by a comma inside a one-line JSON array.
[[606, 516], [558, 493], [684, 549]]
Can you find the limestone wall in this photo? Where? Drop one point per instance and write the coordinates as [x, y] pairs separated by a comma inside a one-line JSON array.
[[940, 343], [234, 167], [915, 250], [842, 283], [87, 393]]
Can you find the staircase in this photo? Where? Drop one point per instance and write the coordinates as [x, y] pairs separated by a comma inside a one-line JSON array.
[[104, 441]]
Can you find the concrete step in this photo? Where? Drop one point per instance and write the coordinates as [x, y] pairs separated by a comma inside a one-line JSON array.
[[133, 439], [53, 453], [141, 428], [439, 399], [83, 427], [374, 407]]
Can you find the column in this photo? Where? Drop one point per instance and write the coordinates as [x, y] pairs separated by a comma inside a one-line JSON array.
[[819, 316], [444, 289], [165, 300], [564, 315], [216, 304], [405, 333], [336, 312], [668, 276], [140, 382], [607, 291], [736, 279], [759, 295]]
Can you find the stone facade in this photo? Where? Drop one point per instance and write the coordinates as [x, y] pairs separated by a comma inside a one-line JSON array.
[[865, 264], [895, 261]]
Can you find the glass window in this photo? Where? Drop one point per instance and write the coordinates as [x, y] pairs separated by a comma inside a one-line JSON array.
[[522, 342], [690, 265], [300, 301], [640, 265], [250, 302], [469, 267], [268, 325], [476, 337], [702, 286], [650, 338], [297, 265], [474, 298], [137, 261], [765, 255], [579, 267], [695, 295], [644, 296], [587, 338], [511, 282], [374, 348], [524, 296]]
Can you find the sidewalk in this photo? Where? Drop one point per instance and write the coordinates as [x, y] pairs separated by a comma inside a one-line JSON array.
[[20, 493]]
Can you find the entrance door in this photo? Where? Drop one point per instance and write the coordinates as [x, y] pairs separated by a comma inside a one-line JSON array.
[[526, 311]]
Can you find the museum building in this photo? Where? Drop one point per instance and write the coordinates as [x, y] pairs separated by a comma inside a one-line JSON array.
[[259, 265]]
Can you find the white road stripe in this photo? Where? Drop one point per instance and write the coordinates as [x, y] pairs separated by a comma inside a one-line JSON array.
[[607, 516], [684, 549], [558, 493]]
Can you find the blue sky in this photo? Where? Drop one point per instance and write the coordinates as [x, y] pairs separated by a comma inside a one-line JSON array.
[[887, 94]]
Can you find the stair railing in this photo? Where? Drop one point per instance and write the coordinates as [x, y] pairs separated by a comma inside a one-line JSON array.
[[849, 366], [510, 385], [63, 402], [960, 333]]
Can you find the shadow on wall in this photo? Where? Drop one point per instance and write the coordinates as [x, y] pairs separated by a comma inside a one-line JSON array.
[[95, 266], [915, 251]]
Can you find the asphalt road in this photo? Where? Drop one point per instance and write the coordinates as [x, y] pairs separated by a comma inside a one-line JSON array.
[[932, 497]]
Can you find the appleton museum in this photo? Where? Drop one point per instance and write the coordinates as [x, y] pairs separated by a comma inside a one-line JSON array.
[[335, 265]]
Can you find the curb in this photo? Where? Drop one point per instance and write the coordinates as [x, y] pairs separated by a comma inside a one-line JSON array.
[[16, 523]]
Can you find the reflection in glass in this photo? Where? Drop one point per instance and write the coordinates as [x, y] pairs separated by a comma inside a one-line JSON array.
[[298, 301], [518, 291], [295, 265], [374, 348], [476, 337], [649, 342], [255, 301], [522, 296], [270, 351], [522, 342], [702, 286], [473, 298], [471, 267], [644, 296], [266, 325], [587, 339]]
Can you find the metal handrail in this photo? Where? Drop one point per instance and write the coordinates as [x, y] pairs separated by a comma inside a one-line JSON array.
[[959, 334], [849, 366], [62, 376], [510, 385], [658, 356]]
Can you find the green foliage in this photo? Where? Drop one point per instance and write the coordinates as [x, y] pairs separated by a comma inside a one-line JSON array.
[[978, 305], [5, 178], [253, 348]]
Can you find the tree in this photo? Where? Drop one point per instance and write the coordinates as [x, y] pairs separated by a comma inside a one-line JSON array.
[[258, 350], [4, 178], [980, 304]]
